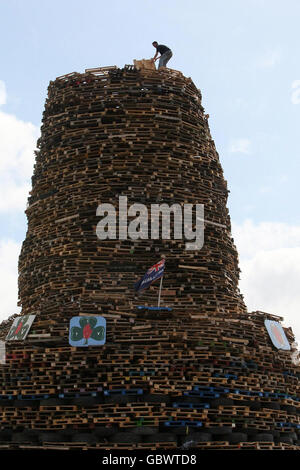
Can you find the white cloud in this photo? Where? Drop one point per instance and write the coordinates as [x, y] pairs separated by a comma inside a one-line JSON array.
[[9, 253], [270, 262], [296, 93], [265, 236], [2, 93], [17, 144], [240, 146]]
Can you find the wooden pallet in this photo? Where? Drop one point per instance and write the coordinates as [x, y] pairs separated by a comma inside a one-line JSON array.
[[144, 64]]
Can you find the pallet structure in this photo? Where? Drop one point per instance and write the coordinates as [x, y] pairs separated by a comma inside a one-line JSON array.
[[201, 373]]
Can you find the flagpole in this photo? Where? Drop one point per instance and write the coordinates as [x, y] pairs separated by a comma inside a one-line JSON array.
[[161, 279]]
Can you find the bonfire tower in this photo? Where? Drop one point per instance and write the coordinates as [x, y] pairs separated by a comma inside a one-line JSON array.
[[201, 371]]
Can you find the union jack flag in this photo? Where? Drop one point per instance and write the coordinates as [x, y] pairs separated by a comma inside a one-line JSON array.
[[155, 272]]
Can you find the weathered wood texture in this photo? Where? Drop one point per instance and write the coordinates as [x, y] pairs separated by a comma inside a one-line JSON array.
[[204, 374], [140, 134]]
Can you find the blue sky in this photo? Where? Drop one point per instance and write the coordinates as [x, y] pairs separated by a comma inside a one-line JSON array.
[[242, 54]]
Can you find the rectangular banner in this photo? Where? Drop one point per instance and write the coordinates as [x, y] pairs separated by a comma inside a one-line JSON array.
[[87, 331], [20, 328]]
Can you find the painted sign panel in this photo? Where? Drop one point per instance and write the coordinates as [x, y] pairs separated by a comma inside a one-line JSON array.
[[87, 331], [277, 335], [20, 328], [2, 352]]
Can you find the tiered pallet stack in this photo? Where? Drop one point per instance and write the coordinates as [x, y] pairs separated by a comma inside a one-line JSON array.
[[144, 135], [201, 374]]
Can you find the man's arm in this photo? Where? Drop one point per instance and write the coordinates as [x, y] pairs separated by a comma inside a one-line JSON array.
[[155, 57]]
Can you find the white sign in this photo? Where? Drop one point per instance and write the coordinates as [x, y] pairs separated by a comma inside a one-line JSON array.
[[20, 328], [2, 352]]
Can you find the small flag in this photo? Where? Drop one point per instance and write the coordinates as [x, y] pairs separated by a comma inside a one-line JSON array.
[[155, 272]]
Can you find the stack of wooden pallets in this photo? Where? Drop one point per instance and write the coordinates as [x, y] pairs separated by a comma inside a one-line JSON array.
[[202, 374]]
